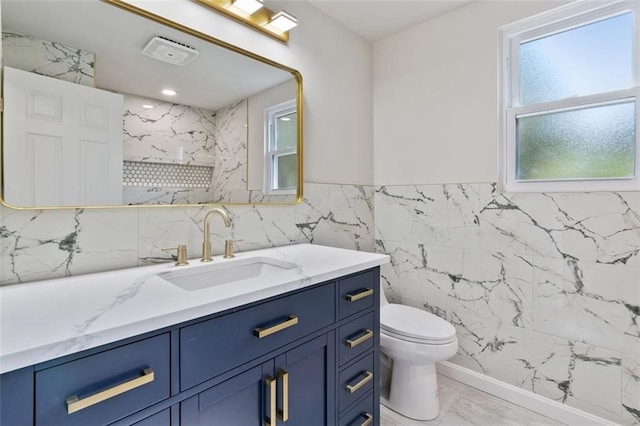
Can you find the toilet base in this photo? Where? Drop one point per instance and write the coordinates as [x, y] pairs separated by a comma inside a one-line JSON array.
[[416, 392]]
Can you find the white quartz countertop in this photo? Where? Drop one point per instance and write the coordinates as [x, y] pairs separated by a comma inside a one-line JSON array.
[[44, 320]]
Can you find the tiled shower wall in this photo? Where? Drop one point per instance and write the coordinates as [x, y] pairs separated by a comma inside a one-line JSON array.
[[48, 58], [544, 289]]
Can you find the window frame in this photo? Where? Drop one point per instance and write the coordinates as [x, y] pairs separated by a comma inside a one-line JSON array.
[[272, 113], [558, 20]]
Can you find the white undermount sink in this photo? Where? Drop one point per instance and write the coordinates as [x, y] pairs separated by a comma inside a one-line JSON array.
[[215, 274]]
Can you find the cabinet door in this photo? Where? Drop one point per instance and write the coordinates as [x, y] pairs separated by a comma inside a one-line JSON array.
[[240, 401], [303, 377]]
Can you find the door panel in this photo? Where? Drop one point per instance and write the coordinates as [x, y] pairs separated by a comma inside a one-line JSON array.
[[62, 142]]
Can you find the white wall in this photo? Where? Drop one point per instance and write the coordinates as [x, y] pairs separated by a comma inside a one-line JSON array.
[[435, 96], [336, 66]]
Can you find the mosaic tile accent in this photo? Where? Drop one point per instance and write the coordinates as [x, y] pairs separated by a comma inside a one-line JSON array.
[[136, 173]]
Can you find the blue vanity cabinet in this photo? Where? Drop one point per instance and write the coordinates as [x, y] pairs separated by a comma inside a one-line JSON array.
[[214, 346], [304, 358], [237, 401], [288, 389], [358, 356], [104, 387]]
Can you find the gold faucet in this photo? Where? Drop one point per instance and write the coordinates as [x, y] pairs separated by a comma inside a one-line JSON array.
[[206, 244]]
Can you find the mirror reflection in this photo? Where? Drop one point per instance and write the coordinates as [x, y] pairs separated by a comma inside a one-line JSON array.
[[104, 107]]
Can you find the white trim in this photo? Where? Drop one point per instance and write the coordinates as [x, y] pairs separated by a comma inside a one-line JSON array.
[[515, 395]]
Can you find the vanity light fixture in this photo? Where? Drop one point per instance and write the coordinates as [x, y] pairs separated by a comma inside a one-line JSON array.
[[169, 92], [276, 25], [248, 6], [147, 106], [283, 21]]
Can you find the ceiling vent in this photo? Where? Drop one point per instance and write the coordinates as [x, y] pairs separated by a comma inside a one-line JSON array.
[[170, 51]]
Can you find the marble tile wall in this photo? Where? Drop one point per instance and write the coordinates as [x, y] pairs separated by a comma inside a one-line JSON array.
[[167, 133], [47, 58], [41, 244], [230, 158], [544, 289]]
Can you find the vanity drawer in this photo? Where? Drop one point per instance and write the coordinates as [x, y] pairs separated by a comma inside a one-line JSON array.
[[220, 344], [356, 293], [102, 388], [360, 415], [356, 337], [355, 381]]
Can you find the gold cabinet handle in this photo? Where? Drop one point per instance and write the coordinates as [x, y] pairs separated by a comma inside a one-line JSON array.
[[368, 419], [368, 375], [284, 379], [351, 297], [76, 404], [264, 332], [368, 334], [271, 386]]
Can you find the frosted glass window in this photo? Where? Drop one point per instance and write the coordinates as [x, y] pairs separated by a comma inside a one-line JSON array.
[[286, 131], [589, 59], [286, 171], [589, 143], [570, 85]]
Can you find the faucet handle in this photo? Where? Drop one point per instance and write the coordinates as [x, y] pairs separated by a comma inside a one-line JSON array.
[[181, 255], [228, 249]]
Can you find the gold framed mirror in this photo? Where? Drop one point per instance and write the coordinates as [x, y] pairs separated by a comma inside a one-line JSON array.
[[108, 105]]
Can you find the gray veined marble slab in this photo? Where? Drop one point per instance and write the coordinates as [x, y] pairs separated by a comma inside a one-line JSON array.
[[445, 215], [40, 244], [44, 320], [630, 390], [590, 302], [167, 133], [489, 285], [339, 215], [561, 369], [48, 58], [594, 227]]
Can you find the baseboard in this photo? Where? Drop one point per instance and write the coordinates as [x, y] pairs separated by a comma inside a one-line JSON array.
[[529, 400]]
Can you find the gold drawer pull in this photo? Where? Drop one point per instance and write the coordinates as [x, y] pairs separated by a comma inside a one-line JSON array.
[[271, 385], [355, 297], [368, 375], [368, 334], [369, 419], [75, 404], [264, 332], [284, 379]]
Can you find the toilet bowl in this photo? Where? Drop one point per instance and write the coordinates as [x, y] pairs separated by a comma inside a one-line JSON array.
[[415, 340]]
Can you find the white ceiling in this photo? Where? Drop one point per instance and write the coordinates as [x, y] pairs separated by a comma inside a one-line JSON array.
[[377, 19], [216, 78]]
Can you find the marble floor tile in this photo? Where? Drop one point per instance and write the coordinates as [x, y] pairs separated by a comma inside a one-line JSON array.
[[462, 405]]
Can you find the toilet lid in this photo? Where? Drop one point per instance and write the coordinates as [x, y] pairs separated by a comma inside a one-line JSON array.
[[415, 324]]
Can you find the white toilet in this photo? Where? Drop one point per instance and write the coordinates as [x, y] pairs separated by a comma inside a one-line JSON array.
[[415, 340]]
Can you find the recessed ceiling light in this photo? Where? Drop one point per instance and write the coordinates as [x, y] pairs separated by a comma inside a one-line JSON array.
[[169, 92], [147, 106]]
